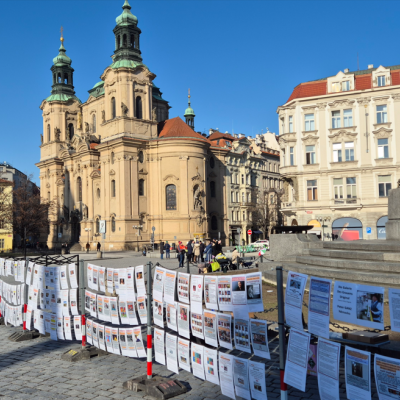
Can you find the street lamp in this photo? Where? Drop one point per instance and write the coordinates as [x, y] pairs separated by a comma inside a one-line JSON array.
[[138, 227], [323, 220]]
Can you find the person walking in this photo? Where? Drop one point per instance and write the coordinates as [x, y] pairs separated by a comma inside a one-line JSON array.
[[98, 246], [162, 250], [196, 251], [208, 251], [87, 247], [181, 252], [202, 247], [235, 256], [190, 250], [167, 248]]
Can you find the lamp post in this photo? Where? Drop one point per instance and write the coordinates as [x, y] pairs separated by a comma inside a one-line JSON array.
[[323, 220], [138, 227]]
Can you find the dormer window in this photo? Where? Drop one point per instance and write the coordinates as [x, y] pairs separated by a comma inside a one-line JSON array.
[[336, 87], [345, 86], [381, 80]]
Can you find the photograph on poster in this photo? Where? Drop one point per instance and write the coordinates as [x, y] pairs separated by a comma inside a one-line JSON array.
[[369, 306], [357, 374]]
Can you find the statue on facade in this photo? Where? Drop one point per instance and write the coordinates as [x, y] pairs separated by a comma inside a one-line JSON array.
[[86, 127], [103, 116], [154, 114], [124, 109], [79, 121], [199, 219], [197, 195], [57, 133], [85, 211]]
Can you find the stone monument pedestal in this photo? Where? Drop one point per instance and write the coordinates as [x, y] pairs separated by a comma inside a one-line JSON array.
[[393, 224]]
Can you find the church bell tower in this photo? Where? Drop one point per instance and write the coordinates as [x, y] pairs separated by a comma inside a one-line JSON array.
[[189, 114]]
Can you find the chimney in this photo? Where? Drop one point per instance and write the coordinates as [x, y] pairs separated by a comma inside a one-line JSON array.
[[249, 137], [235, 135], [210, 131], [370, 66], [346, 70]]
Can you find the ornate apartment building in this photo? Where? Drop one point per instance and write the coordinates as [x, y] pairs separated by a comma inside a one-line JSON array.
[[339, 152], [118, 158]]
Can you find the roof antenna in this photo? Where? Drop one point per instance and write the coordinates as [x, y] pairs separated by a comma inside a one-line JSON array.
[[358, 63]]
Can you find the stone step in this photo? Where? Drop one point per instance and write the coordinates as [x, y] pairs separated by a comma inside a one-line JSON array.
[[364, 245], [350, 264], [346, 275]]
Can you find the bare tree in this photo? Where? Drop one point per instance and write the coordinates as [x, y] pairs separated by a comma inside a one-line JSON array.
[[6, 204], [266, 208]]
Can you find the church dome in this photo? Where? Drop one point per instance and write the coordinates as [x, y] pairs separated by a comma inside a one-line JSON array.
[[62, 58], [189, 111], [126, 18]]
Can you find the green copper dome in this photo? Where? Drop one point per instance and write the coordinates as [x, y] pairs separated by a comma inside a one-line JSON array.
[[62, 97], [62, 58], [189, 111], [126, 18], [126, 64], [98, 84]]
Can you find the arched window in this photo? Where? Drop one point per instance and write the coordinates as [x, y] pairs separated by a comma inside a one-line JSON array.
[[124, 43], [381, 227], [141, 187], [113, 224], [59, 77], [113, 109], [112, 157], [54, 79], [98, 193], [118, 41], [97, 225], [113, 188], [213, 192], [139, 110], [347, 229], [294, 222], [170, 197], [133, 41], [94, 123], [214, 223], [48, 133], [141, 157], [70, 131], [79, 188], [65, 78]]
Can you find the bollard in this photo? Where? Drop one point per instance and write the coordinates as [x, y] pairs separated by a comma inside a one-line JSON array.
[[149, 318], [281, 324], [83, 328], [23, 317], [0, 307]]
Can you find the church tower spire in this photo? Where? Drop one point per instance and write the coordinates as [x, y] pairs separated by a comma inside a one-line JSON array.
[[63, 73], [189, 114], [127, 34]]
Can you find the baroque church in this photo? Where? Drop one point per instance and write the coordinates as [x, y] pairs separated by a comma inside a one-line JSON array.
[[118, 157]]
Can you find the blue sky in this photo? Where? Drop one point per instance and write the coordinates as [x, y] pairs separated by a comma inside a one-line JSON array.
[[241, 59]]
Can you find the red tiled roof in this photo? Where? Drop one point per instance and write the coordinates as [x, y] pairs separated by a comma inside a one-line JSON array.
[[175, 127], [309, 89], [219, 135], [363, 82], [93, 145]]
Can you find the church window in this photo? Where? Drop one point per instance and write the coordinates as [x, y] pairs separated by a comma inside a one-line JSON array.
[[214, 223], [112, 158], [113, 224], [212, 162], [97, 225], [113, 188], [139, 111], [141, 187], [170, 194], [65, 78], [133, 41], [59, 77], [212, 189], [79, 188], [48, 133], [140, 157], [124, 44], [94, 123], [118, 42], [71, 131], [113, 109]]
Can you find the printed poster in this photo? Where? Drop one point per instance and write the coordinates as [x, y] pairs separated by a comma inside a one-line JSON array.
[[183, 320], [259, 338], [196, 288], [225, 293], [211, 365], [197, 357], [139, 278], [226, 375], [184, 354], [183, 287], [210, 328], [295, 285], [357, 372], [224, 330], [328, 369], [158, 283], [241, 377], [169, 286], [172, 354], [159, 346], [210, 292], [258, 387]]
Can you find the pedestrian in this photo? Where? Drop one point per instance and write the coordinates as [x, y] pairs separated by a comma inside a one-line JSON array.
[[181, 254], [196, 251], [98, 246], [202, 247], [167, 248], [208, 251], [190, 250], [162, 250], [87, 247], [215, 249]]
